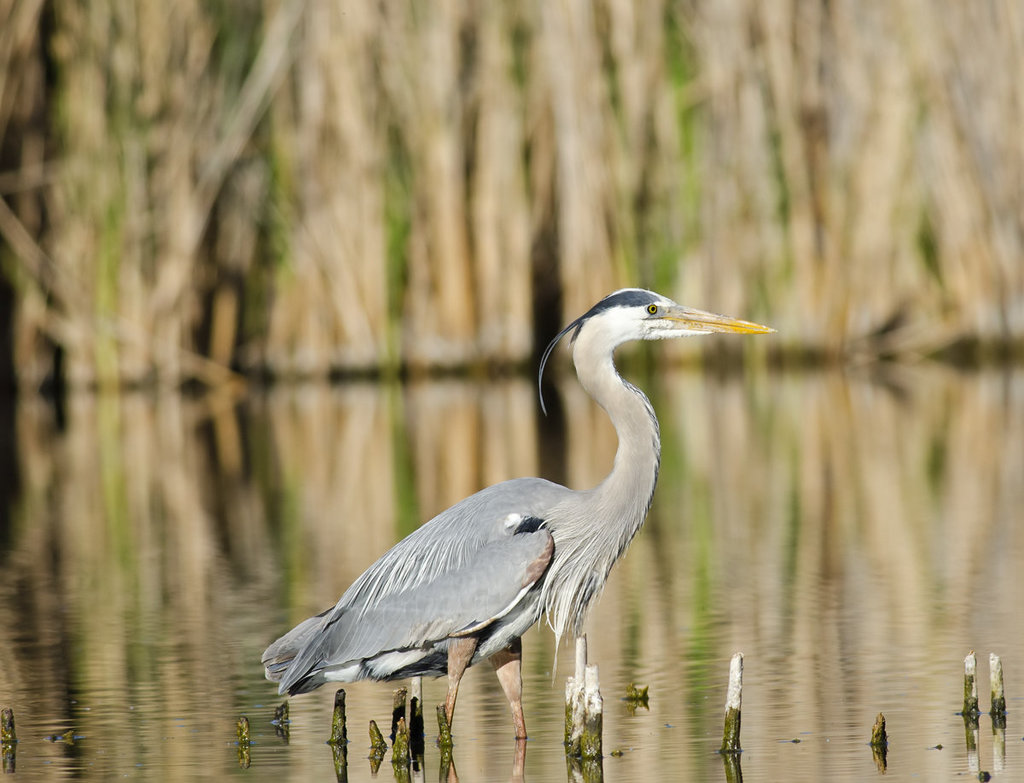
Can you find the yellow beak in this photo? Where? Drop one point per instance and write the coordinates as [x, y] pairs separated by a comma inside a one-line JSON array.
[[695, 320]]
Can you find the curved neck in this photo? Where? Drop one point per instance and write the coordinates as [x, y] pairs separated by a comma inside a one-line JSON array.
[[625, 493], [598, 524]]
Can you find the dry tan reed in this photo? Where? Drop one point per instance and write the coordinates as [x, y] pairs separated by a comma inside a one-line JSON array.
[[310, 189], [860, 173]]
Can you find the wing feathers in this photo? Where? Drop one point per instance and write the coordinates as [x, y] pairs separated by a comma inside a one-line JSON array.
[[461, 601]]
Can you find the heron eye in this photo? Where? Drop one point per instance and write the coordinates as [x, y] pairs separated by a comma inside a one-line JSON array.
[[652, 309]]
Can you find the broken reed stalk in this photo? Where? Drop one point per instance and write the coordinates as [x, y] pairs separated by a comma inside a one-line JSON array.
[[733, 706], [878, 736], [970, 711], [243, 730], [574, 701], [584, 708], [444, 729], [970, 685], [416, 706], [593, 715], [7, 733], [243, 742], [8, 741], [995, 668], [400, 747], [339, 732], [378, 747], [572, 740], [879, 743], [398, 710]]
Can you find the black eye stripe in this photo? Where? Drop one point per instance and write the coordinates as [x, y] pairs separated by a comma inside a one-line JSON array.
[[529, 525], [631, 297]]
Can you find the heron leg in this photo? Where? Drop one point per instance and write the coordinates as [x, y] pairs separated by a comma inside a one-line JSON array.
[[459, 656], [519, 762], [508, 665]]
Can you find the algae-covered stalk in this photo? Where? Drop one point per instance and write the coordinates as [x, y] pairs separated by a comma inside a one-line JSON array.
[[444, 728], [879, 743], [7, 754], [995, 666], [400, 748], [593, 715], [970, 685], [637, 696], [878, 735], [573, 716], [444, 741], [7, 734], [378, 747], [243, 742], [997, 713], [243, 730], [339, 732], [584, 708], [575, 701], [733, 706], [8, 740], [398, 710]]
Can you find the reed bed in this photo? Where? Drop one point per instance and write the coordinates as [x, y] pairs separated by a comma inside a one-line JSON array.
[[302, 189]]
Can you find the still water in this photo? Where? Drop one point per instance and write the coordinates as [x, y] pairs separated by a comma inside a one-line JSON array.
[[854, 535]]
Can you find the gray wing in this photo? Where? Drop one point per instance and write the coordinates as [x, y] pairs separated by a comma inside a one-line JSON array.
[[464, 569]]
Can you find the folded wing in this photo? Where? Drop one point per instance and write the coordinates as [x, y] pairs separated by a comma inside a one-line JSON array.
[[444, 581]]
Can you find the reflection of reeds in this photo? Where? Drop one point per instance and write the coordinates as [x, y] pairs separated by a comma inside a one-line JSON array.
[[844, 519], [815, 521], [304, 190], [113, 546]]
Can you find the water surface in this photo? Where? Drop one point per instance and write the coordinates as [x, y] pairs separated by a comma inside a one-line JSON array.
[[854, 535]]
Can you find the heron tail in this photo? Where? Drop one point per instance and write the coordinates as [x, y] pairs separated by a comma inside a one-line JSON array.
[[277, 658]]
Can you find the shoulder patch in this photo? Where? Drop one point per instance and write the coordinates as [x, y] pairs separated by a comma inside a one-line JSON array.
[[528, 525]]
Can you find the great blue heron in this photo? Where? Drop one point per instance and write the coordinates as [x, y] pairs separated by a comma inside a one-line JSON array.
[[466, 585]]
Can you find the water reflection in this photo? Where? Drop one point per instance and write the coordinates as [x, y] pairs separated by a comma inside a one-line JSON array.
[[853, 536], [733, 768]]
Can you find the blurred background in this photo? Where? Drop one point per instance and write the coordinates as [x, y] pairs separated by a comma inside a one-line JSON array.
[[273, 280], [305, 188]]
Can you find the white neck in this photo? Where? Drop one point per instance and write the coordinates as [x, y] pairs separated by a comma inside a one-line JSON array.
[[625, 494], [585, 549]]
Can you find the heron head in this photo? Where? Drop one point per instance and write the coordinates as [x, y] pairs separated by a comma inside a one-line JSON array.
[[638, 314]]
